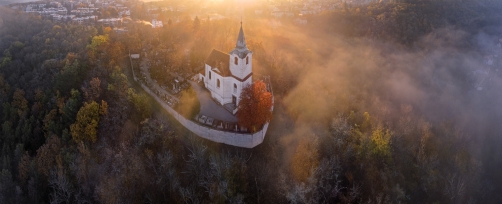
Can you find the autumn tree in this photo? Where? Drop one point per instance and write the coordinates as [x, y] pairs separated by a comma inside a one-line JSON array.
[[103, 109], [19, 102], [85, 126], [140, 102], [380, 143], [189, 104], [97, 45], [305, 158], [255, 106], [94, 90], [46, 155]]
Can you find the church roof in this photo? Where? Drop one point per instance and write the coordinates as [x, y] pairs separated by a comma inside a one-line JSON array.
[[220, 60]]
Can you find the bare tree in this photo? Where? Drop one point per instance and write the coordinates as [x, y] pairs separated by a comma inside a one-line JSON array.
[[455, 187], [62, 190]]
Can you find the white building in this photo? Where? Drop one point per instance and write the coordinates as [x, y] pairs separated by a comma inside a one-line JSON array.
[[225, 75], [300, 21], [157, 24]]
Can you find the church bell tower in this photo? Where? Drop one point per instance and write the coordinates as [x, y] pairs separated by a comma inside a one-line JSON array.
[[241, 62]]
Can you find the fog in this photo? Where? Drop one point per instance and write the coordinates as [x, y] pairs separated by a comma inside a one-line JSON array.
[[448, 77]]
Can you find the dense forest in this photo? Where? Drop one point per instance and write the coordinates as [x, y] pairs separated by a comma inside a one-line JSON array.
[[383, 103]]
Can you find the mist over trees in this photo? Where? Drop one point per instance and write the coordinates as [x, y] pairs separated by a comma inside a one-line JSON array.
[[384, 103]]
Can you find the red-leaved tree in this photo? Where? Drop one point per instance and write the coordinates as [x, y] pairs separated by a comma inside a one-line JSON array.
[[255, 106]]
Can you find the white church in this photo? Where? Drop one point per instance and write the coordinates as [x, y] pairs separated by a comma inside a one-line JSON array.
[[225, 75]]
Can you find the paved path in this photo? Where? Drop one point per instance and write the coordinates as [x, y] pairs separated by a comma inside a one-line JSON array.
[[144, 70], [209, 107]]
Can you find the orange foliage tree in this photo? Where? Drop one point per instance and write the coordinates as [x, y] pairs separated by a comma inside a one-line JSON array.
[[255, 106]]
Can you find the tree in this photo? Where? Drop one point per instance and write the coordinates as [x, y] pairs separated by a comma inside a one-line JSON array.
[[189, 104], [97, 45], [103, 110], [69, 77], [94, 90], [19, 102], [46, 155], [196, 23], [255, 106], [305, 158], [85, 126], [7, 187], [380, 143], [140, 102], [71, 106]]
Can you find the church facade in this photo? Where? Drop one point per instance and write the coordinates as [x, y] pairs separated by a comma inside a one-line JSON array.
[[226, 74]]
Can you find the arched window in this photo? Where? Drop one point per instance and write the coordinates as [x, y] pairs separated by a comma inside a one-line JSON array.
[[247, 60], [218, 83], [236, 61], [209, 74], [235, 88]]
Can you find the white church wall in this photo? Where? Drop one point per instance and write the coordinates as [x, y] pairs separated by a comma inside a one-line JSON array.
[[248, 67], [240, 86], [211, 84], [207, 80], [227, 85], [224, 94], [241, 70]]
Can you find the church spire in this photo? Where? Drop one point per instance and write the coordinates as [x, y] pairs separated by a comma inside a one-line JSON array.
[[241, 40]]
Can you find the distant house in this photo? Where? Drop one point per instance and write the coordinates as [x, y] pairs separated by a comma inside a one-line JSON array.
[[135, 56], [157, 24], [111, 21], [300, 21], [277, 14]]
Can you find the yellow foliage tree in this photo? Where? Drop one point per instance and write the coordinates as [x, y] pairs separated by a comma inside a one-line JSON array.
[[380, 143], [85, 126], [305, 159], [140, 102], [103, 110]]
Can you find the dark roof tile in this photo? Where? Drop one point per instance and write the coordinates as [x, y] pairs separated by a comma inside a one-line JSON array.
[[220, 60]]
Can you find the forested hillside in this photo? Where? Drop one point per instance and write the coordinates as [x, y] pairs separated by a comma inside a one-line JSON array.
[[385, 103]]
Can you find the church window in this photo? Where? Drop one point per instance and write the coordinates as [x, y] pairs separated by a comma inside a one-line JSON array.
[[236, 61], [210, 75], [247, 60], [235, 88], [218, 83]]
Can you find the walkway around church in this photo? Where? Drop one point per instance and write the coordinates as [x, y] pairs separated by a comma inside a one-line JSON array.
[[209, 107]]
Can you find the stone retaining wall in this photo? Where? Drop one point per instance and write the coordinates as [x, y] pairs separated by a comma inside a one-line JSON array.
[[231, 138]]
